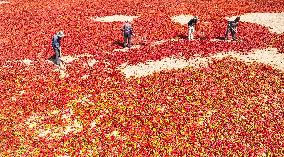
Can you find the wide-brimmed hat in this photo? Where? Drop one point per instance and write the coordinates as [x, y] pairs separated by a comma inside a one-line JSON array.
[[60, 34]]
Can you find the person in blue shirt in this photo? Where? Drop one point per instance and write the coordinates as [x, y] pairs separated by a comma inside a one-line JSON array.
[[56, 46], [232, 27], [127, 34]]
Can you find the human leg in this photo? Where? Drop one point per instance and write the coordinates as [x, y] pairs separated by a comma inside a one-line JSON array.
[[57, 56], [233, 34], [129, 41], [125, 40], [227, 33], [190, 32]]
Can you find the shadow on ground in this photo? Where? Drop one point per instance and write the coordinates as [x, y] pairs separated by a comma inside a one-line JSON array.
[[181, 36], [220, 38], [118, 43]]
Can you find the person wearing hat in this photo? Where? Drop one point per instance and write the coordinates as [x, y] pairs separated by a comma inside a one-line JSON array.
[[127, 34], [56, 46], [191, 27], [232, 27]]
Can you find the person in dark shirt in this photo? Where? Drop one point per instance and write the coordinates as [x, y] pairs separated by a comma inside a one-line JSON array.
[[127, 34], [56, 46], [232, 27], [191, 27]]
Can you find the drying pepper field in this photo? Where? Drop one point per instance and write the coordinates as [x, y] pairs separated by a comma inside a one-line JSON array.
[[90, 108]]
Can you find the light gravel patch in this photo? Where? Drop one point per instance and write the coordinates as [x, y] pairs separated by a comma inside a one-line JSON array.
[[114, 18], [121, 50], [154, 66], [4, 2], [155, 43], [160, 42], [63, 74], [68, 59], [268, 56], [182, 19], [85, 55], [71, 58], [273, 21], [85, 77], [27, 62], [92, 62], [127, 49]]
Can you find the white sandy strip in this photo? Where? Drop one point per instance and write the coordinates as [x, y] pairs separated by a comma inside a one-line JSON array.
[[4, 2], [85, 55], [182, 19], [114, 18], [25, 61], [267, 56], [92, 62], [84, 77], [71, 58], [63, 74], [126, 48], [68, 59], [158, 42], [274, 21], [155, 43]]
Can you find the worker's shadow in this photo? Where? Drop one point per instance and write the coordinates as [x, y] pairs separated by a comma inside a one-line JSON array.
[[52, 59], [181, 36], [119, 43], [220, 38]]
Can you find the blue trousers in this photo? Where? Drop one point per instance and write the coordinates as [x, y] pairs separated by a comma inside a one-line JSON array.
[[57, 55], [127, 40]]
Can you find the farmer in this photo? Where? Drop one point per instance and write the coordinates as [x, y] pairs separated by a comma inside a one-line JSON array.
[[232, 27], [191, 27], [56, 46], [127, 34]]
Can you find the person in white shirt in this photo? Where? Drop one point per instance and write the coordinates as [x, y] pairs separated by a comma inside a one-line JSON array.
[[232, 28], [191, 27]]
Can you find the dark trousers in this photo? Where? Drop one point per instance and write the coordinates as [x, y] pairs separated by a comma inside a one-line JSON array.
[[233, 33], [57, 55], [127, 40]]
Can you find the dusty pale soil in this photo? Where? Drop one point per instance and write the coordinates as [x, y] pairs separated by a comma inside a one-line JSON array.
[[273, 21], [4, 2], [267, 56], [182, 19], [114, 18]]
